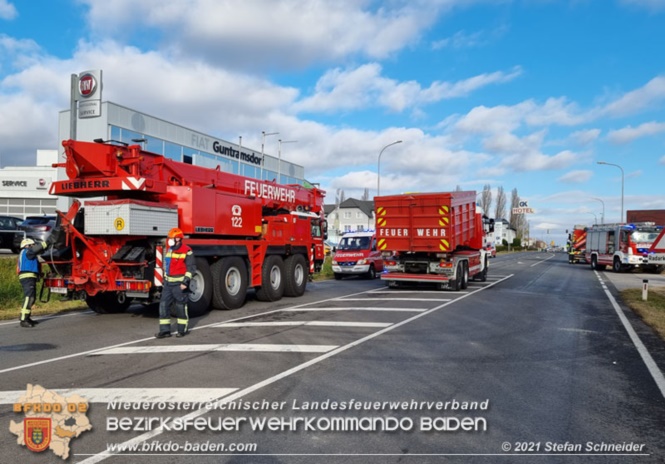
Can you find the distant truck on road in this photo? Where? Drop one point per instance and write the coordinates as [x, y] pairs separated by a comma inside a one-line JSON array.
[[577, 244]]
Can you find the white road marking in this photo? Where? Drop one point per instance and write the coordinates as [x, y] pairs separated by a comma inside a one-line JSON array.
[[219, 347], [542, 261], [301, 323], [132, 395], [651, 365], [354, 308], [393, 299], [88, 352], [246, 391]]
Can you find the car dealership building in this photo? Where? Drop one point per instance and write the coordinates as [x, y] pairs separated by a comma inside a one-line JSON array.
[[24, 190]]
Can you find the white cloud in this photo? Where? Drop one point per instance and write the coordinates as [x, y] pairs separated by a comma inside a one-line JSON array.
[[628, 134], [585, 137], [648, 96], [576, 177], [7, 10], [363, 86], [256, 33]]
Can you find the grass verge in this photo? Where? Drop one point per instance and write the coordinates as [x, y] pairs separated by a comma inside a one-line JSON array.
[[11, 293], [651, 311]]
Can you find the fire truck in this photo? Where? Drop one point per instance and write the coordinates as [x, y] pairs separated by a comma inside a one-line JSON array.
[[621, 246], [244, 233], [436, 238], [577, 244], [656, 255], [357, 254]]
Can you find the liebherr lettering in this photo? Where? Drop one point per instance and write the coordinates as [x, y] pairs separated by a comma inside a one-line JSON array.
[[270, 192], [85, 184]]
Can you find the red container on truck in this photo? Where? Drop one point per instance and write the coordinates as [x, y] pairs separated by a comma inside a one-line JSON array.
[[432, 237]]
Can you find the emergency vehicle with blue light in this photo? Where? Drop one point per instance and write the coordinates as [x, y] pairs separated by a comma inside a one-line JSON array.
[[356, 254], [621, 246]]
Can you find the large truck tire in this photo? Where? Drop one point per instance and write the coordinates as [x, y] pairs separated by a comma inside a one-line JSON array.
[[594, 264], [200, 287], [108, 303], [617, 266], [371, 274], [272, 279], [465, 276], [455, 285], [230, 280], [296, 272]]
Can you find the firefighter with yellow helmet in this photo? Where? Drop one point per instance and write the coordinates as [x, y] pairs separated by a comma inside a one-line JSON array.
[[179, 268], [28, 269]]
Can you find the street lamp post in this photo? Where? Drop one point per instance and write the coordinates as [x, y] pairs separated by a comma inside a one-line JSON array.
[[602, 215], [279, 158], [378, 167], [263, 143], [595, 217], [622, 176]]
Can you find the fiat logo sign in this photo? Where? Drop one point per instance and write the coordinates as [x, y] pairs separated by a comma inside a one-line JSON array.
[[87, 85]]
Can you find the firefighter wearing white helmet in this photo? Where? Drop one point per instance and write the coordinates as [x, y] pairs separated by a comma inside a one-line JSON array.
[[28, 270], [179, 268]]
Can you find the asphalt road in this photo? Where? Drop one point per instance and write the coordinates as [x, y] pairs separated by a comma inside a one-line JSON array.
[[538, 364]]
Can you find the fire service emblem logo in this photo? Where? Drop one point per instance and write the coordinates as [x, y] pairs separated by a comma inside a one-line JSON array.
[[37, 433]]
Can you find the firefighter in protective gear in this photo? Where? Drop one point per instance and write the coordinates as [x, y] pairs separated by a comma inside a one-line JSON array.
[[179, 268], [28, 270]]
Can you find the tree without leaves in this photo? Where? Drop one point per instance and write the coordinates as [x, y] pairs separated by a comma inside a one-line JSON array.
[[486, 199], [339, 197], [517, 221], [500, 210], [365, 196]]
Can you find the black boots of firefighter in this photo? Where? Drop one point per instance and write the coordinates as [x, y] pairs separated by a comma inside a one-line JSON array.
[[28, 322]]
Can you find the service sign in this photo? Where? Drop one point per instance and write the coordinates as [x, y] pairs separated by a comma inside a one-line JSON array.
[[24, 183], [90, 94]]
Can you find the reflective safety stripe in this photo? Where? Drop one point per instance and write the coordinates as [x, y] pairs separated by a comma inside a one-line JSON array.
[[183, 321], [174, 279], [175, 255], [165, 321], [26, 275]]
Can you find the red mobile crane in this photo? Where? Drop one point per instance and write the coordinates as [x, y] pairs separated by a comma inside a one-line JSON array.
[[244, 232]]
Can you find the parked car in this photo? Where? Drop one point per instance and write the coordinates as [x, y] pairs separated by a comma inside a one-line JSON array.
[[491, 250], [7, 225], [37, 228]]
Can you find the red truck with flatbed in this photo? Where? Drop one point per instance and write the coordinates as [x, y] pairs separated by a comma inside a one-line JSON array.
[[437, 238]]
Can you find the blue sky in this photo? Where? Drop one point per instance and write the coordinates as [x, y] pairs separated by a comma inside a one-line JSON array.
[[525, 94]]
